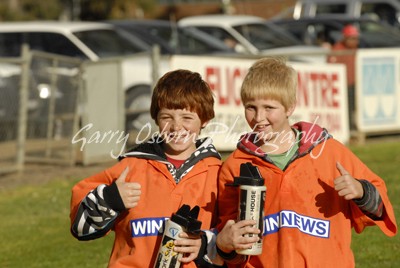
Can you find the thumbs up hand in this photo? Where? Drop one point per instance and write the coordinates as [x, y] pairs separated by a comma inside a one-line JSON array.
[[346, 185], [129, 191]]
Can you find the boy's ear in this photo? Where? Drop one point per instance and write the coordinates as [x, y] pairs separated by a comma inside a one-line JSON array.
[[290, 110], [204, 124]]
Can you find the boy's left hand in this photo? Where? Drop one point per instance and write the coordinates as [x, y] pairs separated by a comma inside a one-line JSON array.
[[189, 245], [346, 185]]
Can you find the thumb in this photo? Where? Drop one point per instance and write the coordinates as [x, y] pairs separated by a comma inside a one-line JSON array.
[[341, 169], [123, 175], [230, 222]]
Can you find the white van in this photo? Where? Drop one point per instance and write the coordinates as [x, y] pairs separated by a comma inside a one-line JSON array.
[[384, 10], [91, 41]]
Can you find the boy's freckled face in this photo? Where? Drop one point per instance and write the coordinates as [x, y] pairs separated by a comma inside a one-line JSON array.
[[180, 129], [267, 116]]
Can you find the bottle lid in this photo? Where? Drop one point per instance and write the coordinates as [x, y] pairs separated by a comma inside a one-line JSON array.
[[249, 175], [187, 218]]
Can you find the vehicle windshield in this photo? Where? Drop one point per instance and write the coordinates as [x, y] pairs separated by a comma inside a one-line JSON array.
[[194, 41], [110, 43], [377, 35], [264, 36], [174, 39]]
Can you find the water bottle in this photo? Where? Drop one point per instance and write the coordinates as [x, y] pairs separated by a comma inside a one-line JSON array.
[[184, 220], [251, 202]]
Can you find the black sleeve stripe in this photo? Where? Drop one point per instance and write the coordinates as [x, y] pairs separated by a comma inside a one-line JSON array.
[[371, 202], [94, 218]]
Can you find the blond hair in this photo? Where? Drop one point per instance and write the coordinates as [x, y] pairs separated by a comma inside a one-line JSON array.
[[270, 78]]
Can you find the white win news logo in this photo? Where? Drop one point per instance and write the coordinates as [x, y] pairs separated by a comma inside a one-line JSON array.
[[147, 226]]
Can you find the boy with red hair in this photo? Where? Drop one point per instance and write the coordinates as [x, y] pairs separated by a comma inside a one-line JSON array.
[[134, 197]]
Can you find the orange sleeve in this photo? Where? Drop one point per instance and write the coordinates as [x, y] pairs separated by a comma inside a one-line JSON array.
[[83, 187], [387, 223]]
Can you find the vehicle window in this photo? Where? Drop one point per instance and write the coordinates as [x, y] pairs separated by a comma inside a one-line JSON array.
[[263, 37], [140, 34], [192, 42], [218, 33], [377, 35], [384, 12], [314, 33], [172, 36], [228, 40], [328, 33], [297, 29], [10, 44], [108, 43], [54, 43], [165, 33], [174, 39], [330, 9], [200, 42]]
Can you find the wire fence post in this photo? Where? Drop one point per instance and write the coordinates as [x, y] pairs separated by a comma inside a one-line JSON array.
[[23, 106], [155, 64], [52, 105]]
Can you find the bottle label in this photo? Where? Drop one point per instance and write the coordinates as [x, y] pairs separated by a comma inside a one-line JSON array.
[[251, 207], [167, 257]]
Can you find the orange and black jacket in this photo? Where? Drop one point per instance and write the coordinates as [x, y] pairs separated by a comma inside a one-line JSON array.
[[97, 208], [306, 222]]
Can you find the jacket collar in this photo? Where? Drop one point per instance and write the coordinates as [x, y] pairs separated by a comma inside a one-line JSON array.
[[152, 150], [310, 136]]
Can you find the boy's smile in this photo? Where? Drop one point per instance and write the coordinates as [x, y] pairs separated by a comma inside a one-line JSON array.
[[180, 129], [268, 118], [260, 127]]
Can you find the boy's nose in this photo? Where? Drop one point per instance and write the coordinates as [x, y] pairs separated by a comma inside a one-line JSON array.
[[176, 126], [259, 116]]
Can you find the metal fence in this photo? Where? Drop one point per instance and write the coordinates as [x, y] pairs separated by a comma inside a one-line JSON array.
[[39, 95]]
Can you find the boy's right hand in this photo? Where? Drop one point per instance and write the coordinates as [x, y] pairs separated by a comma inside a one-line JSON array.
[[129, 191], [232, 236]]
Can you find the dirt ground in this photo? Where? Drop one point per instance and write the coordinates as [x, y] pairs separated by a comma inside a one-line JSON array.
[[35, 173], [43, 172]]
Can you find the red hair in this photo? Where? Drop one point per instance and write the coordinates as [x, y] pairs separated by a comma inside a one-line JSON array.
[[183, 89]]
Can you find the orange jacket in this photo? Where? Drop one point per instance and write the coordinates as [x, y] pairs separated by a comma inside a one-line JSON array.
[[306, 222], [136, 230]]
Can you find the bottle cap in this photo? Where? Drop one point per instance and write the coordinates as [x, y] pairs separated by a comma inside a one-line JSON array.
[[249, 175], [187, 218]]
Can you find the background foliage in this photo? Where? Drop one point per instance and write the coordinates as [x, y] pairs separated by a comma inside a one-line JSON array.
[[12, 10]]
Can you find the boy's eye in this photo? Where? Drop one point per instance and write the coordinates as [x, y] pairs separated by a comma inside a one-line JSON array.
[[164, 117]]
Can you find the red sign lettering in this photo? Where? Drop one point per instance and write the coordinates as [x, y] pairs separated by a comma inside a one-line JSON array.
[[225, 83], [317, 89]]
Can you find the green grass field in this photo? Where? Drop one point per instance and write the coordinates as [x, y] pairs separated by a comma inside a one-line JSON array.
[[34, 226]]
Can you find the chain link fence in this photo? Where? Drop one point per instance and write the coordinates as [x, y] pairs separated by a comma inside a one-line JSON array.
[[39, 95]]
